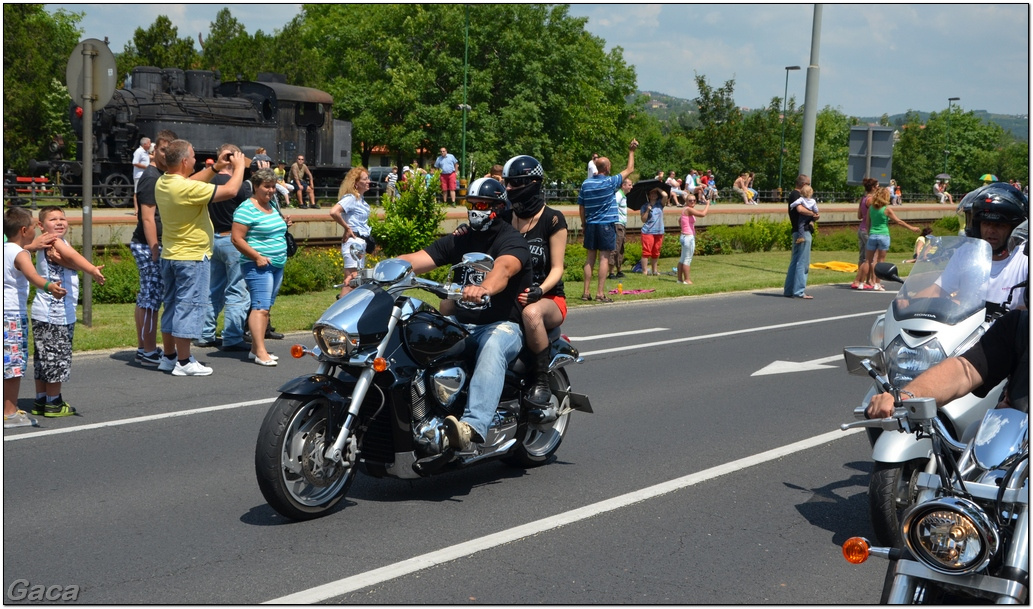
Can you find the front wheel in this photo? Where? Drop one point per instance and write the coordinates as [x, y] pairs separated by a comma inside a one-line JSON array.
[[891, 490], [537, 443], [295, 477]]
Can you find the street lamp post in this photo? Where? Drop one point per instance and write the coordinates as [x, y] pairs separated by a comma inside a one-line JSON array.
[[946, 148], [464, 106], [782, 147]]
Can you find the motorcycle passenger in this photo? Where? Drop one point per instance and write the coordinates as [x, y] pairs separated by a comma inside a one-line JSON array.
[[997, 209], [1003, 352], [495, 329], [544, 303]]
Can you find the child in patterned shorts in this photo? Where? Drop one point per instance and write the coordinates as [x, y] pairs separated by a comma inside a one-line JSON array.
[[53, 319], [19, 231]]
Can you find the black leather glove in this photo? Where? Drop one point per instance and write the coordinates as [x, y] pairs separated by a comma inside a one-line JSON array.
[[461, 230], [534, 293]]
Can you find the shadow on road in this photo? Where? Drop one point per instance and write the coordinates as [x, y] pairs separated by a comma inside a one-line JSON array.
[[841, 506]]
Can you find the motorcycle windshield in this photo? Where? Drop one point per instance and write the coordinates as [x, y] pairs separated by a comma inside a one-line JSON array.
[[948, 282]]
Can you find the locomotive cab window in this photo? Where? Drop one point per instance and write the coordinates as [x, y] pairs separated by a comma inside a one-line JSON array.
[[308, 114]]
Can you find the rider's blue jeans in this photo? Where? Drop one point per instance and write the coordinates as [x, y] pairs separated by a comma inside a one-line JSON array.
[[497, 345]]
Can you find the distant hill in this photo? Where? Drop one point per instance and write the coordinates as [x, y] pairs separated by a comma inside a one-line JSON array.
[[667, 108], [1018, 125]]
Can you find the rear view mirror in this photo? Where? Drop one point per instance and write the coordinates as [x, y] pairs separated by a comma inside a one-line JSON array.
[[855, 355], [887, 271]]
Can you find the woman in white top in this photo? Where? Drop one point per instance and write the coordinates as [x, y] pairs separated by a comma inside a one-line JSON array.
[[352, 213]]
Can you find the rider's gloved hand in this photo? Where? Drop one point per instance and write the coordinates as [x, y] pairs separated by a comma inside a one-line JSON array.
[[461, 230], [534, 293]]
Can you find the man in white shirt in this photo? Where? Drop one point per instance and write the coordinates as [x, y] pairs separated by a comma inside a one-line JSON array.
[[592, 171], [141, 161]]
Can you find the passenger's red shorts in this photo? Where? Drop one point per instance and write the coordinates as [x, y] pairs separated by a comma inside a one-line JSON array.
[[448, 181], [561, 302], [651, 245]]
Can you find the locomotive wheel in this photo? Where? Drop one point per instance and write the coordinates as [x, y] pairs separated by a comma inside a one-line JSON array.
[[116, 191]]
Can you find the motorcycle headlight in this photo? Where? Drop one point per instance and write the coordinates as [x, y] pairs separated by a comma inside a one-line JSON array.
[[333, 342], [950, 535], [905, 363], [878, 332]]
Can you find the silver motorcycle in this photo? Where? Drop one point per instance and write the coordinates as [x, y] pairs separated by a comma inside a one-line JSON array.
[[966, 536], [916, 332]]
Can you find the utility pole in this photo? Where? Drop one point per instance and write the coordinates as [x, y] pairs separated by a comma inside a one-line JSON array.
[[810, 109]]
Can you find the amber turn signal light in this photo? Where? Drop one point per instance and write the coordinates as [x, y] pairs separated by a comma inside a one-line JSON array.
[[379, 364], [856, 550], [297, 351]]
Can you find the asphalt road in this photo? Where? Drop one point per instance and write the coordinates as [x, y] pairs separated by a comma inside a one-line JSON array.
[[694, 481]]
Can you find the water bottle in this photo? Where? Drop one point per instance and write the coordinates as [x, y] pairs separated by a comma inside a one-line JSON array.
[[620, 288]]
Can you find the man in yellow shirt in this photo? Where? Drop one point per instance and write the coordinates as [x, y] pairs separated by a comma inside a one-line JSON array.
[[182, 197]]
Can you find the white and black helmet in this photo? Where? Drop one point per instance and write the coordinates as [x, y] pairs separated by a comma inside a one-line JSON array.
[[485, 200], [523, 176]]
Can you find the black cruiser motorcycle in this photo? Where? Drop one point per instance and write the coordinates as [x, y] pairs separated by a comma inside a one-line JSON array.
[[391, 368]]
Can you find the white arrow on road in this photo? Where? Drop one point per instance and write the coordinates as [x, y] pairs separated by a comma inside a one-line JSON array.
[[781, 367]]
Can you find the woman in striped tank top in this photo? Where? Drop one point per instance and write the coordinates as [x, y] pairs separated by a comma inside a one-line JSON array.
[[258, 233]]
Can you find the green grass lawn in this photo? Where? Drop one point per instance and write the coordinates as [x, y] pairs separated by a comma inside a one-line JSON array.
[[113, 325]]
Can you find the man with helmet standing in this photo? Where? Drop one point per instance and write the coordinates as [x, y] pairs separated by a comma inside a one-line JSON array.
[[597, 205], [496, 328], [996, 210]]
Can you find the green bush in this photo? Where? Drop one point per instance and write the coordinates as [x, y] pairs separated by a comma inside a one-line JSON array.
[[838, 240], [121, 277], [574, 262], [411, 221], [757, 235], [313, 270], [671, 247], [947, 225]]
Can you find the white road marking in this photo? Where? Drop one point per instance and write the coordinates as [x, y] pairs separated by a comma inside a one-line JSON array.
[[782, 367], [630, 333], [183, 413], [673, 341], [153, 417], [432, 559]]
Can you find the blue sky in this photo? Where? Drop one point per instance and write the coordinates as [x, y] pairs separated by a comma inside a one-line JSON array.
[[874, 58]]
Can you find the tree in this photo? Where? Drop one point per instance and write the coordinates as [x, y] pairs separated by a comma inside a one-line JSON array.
[[537, 83], [31, 72], [975, 148]]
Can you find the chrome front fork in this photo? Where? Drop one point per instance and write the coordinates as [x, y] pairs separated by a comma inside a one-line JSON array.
[[336, 450]]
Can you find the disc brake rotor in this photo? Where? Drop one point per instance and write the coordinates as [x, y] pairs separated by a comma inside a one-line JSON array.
[[315, 467]]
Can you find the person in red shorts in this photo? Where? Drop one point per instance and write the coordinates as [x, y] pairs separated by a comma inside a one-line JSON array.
[[448, 165]]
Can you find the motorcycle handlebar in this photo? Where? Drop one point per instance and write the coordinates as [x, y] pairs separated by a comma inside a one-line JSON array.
[[448, 291]]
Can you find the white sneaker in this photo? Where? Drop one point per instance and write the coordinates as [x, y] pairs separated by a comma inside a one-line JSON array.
[[193, 368], [167, 365], [19, 419]]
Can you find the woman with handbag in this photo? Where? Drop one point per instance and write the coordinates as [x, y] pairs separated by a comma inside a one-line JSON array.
[[259, 233], [352, 213]]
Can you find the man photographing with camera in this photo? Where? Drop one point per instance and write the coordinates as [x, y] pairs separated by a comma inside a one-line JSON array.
[[182, 197]]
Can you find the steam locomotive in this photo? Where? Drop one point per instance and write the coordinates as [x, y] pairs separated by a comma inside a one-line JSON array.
[[268, 113]]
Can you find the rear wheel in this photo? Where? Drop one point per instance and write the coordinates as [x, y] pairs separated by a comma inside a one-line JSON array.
[[538, 443], [293, 474], [890, 491]]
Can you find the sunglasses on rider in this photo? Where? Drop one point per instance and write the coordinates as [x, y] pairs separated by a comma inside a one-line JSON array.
[[480, 204]]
